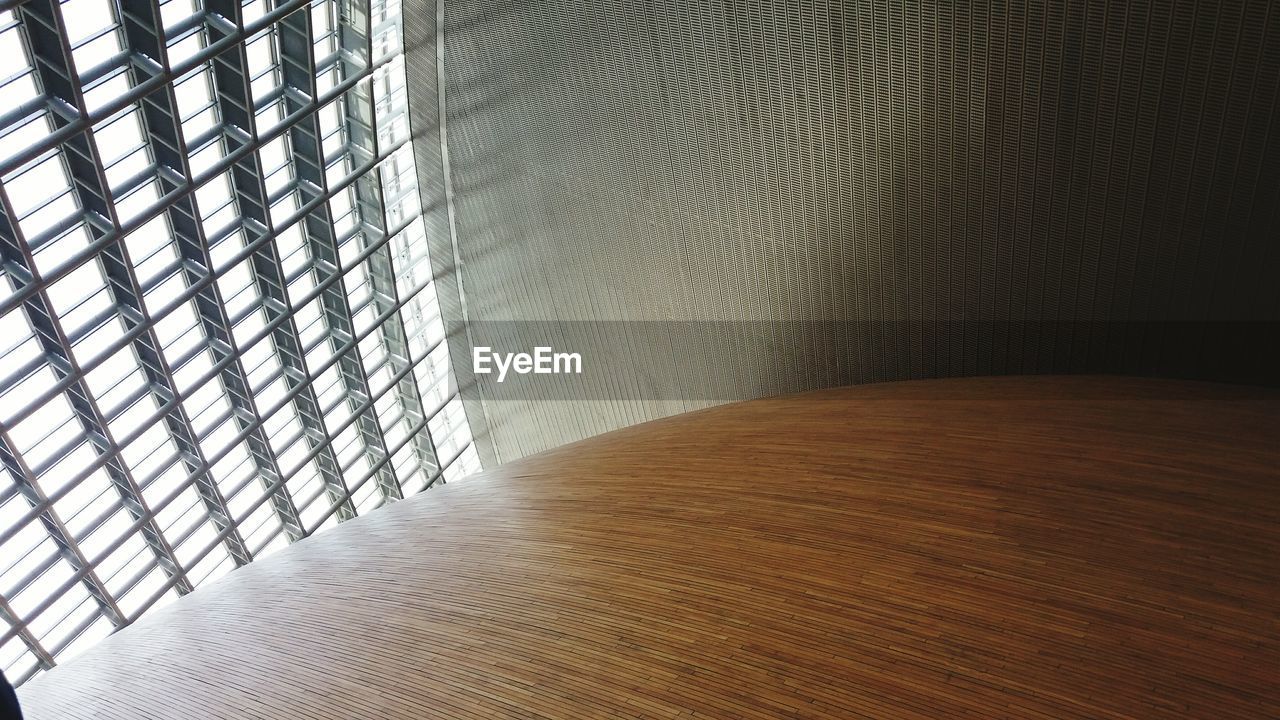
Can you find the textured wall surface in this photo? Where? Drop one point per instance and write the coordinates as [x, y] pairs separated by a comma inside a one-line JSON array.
[[964, 188]]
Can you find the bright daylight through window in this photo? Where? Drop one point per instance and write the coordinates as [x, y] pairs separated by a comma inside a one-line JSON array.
[[217, 317]]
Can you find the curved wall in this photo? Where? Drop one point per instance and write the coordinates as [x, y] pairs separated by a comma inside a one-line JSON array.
[[957, 189], [1066, 548]]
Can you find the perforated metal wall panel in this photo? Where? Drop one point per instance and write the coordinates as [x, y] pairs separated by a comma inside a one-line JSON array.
[[974, 187]]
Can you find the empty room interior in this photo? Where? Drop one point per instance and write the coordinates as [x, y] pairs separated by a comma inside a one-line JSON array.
[[651, 359]]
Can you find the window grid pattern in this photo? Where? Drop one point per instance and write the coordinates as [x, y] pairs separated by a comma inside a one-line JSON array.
[[217, 317]]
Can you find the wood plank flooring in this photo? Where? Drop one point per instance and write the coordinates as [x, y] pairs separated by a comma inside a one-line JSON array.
[[1042, 547]]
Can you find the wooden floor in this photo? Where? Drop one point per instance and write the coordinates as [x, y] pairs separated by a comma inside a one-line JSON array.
[[1024, 547]]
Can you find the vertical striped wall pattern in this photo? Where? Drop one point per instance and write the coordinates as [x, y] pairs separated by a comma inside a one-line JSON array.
[[422, 50], [994, 187]]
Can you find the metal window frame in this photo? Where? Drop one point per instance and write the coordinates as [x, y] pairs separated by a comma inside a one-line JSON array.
[[238, 428]]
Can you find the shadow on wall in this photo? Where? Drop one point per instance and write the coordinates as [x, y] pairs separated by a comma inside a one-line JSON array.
[[951, 190]]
